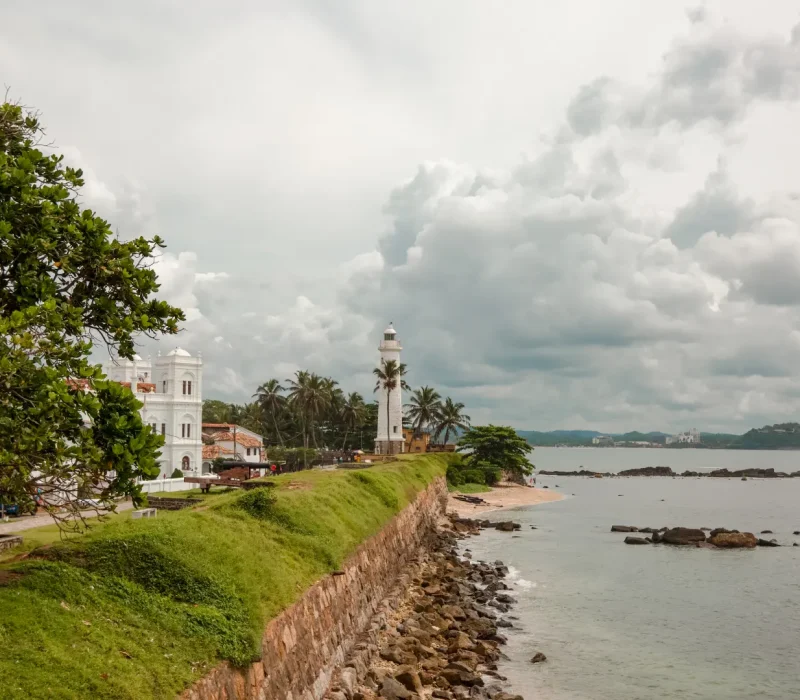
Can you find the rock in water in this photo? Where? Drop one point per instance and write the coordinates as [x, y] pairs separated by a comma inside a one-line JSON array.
[[624, 528], [734, 540], [538, 657], [768, 543], [636, 540], [766, 532], [683, 535]]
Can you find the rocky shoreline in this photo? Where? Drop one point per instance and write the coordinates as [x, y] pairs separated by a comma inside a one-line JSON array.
[[667, 471], [443, 639]]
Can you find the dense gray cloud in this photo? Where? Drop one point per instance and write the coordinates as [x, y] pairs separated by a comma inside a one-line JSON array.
[[320, 169]]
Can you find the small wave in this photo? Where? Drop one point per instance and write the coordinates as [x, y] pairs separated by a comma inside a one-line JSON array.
[[515, 579]]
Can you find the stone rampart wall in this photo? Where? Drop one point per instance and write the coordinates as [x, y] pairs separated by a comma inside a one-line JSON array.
[[302, 647]]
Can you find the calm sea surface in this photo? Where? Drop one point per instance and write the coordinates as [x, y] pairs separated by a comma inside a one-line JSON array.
[[642, 623]]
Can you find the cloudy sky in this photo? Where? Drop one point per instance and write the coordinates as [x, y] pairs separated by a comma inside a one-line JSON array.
[[577, 214]]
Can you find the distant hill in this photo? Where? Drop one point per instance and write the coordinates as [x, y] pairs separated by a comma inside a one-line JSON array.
[[781, 436], [584, 437]]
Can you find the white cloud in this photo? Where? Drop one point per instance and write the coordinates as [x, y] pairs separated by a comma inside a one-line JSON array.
[[585, 232]]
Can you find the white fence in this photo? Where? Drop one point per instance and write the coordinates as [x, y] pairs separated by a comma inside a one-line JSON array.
[[158, 485]]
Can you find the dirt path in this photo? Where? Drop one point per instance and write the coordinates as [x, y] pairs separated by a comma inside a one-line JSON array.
[[16, 525]]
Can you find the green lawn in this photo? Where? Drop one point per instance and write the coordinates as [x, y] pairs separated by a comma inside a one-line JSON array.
[[142, 608], [469, 488]]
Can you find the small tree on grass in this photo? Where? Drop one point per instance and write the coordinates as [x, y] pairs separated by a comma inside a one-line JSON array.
[[176, 474], [496, 447], [66, 281]]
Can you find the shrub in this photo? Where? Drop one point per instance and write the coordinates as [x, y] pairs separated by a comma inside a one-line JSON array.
[[492, 475], [474, 476], [257, 502], [455, 475], [177, 474]]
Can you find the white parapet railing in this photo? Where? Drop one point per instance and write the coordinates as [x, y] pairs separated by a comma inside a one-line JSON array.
[[164, 485]]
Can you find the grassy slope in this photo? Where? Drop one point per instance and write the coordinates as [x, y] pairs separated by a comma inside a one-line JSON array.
[[140, 609]]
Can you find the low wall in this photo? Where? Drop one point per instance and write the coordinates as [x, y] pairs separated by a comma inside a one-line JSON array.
[[302, 646], [9, 541], [159, 485], [166, 503]]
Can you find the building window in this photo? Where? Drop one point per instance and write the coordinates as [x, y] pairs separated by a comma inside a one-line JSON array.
[[186, 430], [395, 428], [164, 386], [153, 426], [189, 387], [163, 429], [184, 386], [185, 464]]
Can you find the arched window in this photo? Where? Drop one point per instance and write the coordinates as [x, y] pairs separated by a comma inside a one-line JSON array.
[[185, 464]]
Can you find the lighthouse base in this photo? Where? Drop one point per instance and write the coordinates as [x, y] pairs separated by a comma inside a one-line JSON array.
[[390, 447]]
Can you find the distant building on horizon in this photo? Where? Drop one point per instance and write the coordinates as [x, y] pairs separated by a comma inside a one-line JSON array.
[[603, 441], [691, 437]]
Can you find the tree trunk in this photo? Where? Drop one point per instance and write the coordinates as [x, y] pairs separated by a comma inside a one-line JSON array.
[[277, 432], [344, 442]]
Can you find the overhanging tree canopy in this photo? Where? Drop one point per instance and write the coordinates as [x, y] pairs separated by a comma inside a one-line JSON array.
[[65, 282], [497, 446]]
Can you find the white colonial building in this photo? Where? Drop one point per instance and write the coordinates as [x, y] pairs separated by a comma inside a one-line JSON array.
[[389, 439], [171, 391]]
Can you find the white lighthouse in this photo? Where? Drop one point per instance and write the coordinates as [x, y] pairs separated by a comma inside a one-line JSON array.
[[389, 439]]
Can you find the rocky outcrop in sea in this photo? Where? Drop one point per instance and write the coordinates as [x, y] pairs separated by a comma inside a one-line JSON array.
[[667, 471]]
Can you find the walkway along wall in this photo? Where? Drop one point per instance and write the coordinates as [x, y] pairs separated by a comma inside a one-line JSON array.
[[304, 644]]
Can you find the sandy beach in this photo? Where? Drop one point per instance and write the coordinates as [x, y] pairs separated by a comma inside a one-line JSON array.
[[503, 496]]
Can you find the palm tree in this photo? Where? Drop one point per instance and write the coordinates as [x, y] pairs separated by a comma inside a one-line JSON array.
[[272, 402], [352, 413], [424, 408], [389, 376], [451, 419], [309, 396]]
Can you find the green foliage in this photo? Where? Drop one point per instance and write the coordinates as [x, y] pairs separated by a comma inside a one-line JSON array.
[[474, 476], [497, 447], [468, 488], [450, 419], [176, 474], [140, 609], [259, 503], [66, 279], [424, 409], [455, 474]]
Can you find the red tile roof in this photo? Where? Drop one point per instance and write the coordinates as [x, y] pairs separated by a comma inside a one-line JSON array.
[[242, 439], [214, 451]]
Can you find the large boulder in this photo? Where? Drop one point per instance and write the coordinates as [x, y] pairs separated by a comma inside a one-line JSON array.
[[734, 540], [683, 535], [768, 543], [624, 528], [394, 690], [636, 540]]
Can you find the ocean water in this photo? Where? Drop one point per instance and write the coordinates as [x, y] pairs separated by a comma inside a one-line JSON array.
[[619, 622]]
